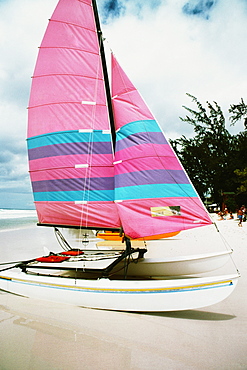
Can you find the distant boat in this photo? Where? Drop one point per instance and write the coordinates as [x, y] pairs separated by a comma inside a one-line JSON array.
[[99, 161]]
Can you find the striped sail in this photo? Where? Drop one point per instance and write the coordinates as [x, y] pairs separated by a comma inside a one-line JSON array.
[[153, 193], [76, 179], [69, 140]]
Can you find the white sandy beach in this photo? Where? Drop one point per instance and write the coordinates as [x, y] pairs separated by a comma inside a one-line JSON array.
[[38, 334]]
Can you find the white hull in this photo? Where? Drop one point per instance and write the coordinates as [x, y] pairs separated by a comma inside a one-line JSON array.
[[186, 265], [149, 267], [123, 295]]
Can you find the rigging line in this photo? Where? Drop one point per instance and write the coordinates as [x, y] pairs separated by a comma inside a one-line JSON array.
[[90, 147], [16, 264], [87, 182], [101, 63], [227, 246], [9, 268], [13, 263]]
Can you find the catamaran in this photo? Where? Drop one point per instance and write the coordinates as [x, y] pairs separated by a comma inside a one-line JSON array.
[[99, 161]]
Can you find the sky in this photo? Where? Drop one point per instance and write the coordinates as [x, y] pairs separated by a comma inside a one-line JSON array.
[[167, 47]]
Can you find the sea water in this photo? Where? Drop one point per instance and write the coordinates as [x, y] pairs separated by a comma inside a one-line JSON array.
[[13, 219], [21, 239]]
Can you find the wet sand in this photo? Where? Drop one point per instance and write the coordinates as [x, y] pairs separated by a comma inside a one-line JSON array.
[[38, 334]]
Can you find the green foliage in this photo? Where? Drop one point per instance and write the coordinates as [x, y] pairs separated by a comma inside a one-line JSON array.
[[212, 156], [238, 112], [243, 176]]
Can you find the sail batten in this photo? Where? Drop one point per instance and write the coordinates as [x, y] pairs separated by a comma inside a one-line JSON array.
[[72, 24]]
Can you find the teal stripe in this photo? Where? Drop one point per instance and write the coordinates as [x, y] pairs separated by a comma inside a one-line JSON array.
[[137, 127], [118, 291], [155, 191], [64, 137], [73, 196]]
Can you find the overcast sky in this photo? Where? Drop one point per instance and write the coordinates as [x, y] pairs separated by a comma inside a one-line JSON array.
[[167, 47]]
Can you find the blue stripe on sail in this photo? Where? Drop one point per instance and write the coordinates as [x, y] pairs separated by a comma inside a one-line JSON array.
[[63, 137], [70, 149], [137, 127], [155, 191], [73, 196], [78, 184], [151, 177]]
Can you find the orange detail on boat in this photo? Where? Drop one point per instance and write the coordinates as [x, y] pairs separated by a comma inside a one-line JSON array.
[[109, 236], [160, 236], [115, 236]]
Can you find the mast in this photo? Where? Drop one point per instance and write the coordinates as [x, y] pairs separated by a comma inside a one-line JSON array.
[[105, 73]]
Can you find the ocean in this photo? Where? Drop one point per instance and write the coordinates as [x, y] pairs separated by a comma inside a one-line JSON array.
[[13, 219], [21, 238]]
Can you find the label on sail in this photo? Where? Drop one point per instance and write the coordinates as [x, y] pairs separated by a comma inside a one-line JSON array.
[[165, 211]]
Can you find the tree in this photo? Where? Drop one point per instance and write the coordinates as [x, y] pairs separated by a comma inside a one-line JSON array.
[[238, 112], [243, 176], [208, 157]]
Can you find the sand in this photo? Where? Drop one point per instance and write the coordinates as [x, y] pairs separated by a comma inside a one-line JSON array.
[[37, 334]]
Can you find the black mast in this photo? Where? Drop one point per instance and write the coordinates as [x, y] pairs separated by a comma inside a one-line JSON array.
[[105, 73]]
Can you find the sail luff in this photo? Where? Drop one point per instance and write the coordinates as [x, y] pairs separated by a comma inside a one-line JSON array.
[[69, 135]]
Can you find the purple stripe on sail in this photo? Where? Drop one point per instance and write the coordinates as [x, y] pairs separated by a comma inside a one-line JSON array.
[[70, 149], [95, 183], [141, 138], [151, 177]]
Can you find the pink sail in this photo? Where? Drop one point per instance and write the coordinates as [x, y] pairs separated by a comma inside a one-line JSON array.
[[153, 193], [76, 178], [69, 139]]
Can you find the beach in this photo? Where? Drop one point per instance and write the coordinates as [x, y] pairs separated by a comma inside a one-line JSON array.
[[38, 334]]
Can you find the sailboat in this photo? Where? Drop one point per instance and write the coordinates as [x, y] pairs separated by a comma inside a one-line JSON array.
[[99, 161]]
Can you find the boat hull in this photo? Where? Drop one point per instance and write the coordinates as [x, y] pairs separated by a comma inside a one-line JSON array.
[[123, 295], [187, 265], [144, 267]]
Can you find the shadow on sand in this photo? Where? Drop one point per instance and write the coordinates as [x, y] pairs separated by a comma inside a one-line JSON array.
[[193, 315]]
